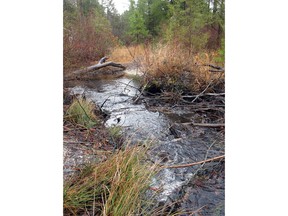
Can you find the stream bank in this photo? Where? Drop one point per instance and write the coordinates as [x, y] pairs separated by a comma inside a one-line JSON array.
[[196, 188]]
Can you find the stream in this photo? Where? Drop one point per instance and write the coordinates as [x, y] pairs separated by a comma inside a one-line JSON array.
[[198, 189]]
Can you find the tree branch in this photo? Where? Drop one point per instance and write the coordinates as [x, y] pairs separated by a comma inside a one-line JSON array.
[[193, 164], [203, 125]]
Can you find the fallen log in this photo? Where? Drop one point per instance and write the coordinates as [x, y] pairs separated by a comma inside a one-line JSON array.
[[101, 70], [99, 65]]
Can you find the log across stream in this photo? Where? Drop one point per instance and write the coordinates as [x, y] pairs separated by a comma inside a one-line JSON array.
[[192, 188]]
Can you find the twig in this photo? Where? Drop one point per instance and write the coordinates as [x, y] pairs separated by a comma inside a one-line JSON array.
[[127, 84], [198, 106], [202, 91], [203, 125], [197, 96], [77, 142], [219, 69], [205, 158], [104, 103], [143, 89], [207, 94], [196, 211], [208, 108], [193, 164], [216, 70]]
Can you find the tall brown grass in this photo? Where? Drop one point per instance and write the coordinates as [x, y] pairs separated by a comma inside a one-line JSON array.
[[127, 54], [171, 64]]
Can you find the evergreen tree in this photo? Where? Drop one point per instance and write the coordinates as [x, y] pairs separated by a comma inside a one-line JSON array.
[[137, 28], [188, 22]]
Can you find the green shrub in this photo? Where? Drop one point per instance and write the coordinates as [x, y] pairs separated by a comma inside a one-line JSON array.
[[221, 53]]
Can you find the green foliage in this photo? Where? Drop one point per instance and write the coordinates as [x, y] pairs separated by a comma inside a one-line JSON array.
[[82, 112], [187, 23], [137, 26], [86, 7], [158, 16], [221, 52]]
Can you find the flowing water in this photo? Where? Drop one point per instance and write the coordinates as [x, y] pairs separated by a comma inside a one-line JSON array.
[[196, 188]]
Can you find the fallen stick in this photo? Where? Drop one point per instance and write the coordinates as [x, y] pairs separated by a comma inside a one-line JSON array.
[[199, 106], [197, 96], [208, 108], [207, 94], [143, 89], [219, 69], [193, 164], [203, 125], [216, 71]]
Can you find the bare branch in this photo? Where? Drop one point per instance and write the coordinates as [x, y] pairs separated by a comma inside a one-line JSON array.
[[202, 92], [193, 164], [203, 125]]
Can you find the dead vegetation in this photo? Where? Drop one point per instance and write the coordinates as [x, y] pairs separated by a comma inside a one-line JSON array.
[[171, 68]]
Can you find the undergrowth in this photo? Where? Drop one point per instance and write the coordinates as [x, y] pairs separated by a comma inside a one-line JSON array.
[[174, 69], [171, 67]]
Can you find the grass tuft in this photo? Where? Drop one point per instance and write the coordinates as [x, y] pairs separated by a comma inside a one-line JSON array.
[[81, 112], [114, 187]]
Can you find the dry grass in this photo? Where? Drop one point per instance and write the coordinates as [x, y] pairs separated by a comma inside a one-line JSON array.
[[171, 64], [126, 54], [202, 74], [114, 187]]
